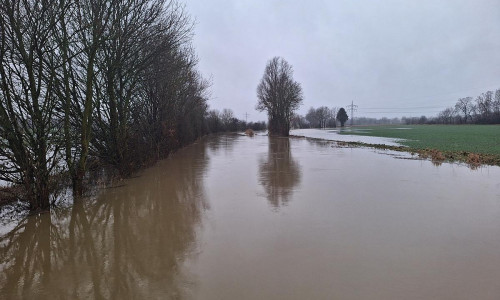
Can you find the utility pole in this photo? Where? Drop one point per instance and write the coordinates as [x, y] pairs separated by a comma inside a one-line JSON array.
[[246, 117], [353, 108]]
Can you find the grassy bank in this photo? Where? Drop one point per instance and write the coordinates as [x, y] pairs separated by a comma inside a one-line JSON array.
[[481, 139]]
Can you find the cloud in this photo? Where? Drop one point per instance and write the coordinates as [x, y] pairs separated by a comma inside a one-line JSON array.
[[377, 53]]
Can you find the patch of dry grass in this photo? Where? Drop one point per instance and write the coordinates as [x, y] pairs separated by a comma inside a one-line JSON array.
[[249, 132]]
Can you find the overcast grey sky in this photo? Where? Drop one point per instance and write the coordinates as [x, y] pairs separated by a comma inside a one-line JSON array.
[[392, 58]]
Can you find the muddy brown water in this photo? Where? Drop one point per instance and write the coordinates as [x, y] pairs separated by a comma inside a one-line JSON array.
[[233, 217]]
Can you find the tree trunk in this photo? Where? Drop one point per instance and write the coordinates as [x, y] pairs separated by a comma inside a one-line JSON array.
[[38, 191], [77, 182]]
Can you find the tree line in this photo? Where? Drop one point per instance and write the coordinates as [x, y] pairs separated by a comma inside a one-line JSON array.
[[94, 82], [484, 109], [321, 117], [225, 121]]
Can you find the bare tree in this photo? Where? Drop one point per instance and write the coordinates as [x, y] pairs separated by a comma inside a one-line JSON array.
[[465, 106], [447, 115], [93, 18], [299, 121], [321, 117], [333, 119], [214, 122], [484, 104], [496, 104], [325, 116], [312, 118], [133, 29], [172, 109], [227, 117], [29, 139], [279, 95], [107, 81]]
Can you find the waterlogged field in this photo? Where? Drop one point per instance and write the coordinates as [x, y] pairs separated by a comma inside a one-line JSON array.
[[483, 139]]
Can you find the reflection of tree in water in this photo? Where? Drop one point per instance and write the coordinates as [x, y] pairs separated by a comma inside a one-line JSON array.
[[279, 172], [129, 244], [222, 141], [25, 257]]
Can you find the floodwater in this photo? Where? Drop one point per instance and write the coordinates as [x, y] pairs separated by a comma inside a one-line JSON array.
[[333, 135], [233, 217]]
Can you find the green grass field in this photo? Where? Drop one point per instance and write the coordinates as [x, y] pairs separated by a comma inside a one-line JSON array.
[[483, 139]]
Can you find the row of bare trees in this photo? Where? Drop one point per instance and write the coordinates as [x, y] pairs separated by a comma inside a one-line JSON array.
[[84, 81], [225, 121], [322, 117], [484, 109]]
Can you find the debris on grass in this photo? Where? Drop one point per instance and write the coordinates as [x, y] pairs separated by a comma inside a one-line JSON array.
[[434, 154], [474, 160]]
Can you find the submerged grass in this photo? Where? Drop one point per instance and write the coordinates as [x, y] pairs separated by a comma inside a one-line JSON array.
[[474, 160], [474, 145], [481, 139]]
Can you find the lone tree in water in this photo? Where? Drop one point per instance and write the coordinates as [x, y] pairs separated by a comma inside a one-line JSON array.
[[342, 116], [279, 95]]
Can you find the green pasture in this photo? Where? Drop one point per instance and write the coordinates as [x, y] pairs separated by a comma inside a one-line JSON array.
[[470, 138]]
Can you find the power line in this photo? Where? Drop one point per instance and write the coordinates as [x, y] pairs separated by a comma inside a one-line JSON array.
[[413, 107], [461, 92], [353, 109], [401, 110], [398, 112]]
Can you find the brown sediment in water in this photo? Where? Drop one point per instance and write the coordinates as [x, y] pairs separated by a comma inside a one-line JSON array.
[[267, 218], [473, 160]]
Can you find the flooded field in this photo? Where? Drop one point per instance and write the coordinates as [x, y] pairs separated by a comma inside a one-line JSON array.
[[233, 217], [333, 135]]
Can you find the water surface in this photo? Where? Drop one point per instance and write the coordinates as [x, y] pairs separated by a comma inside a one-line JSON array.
[[233, 217], [332, 134]]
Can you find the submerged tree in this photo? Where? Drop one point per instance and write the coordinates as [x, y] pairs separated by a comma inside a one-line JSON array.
[[342, 116], [93, 83], [29, 137], [279, 95]]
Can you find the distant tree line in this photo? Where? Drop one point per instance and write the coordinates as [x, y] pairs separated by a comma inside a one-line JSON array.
[[324, 117], [83, 82], [321, 117], [224, 121], [376, 121], [415, 120], [484, 109]]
